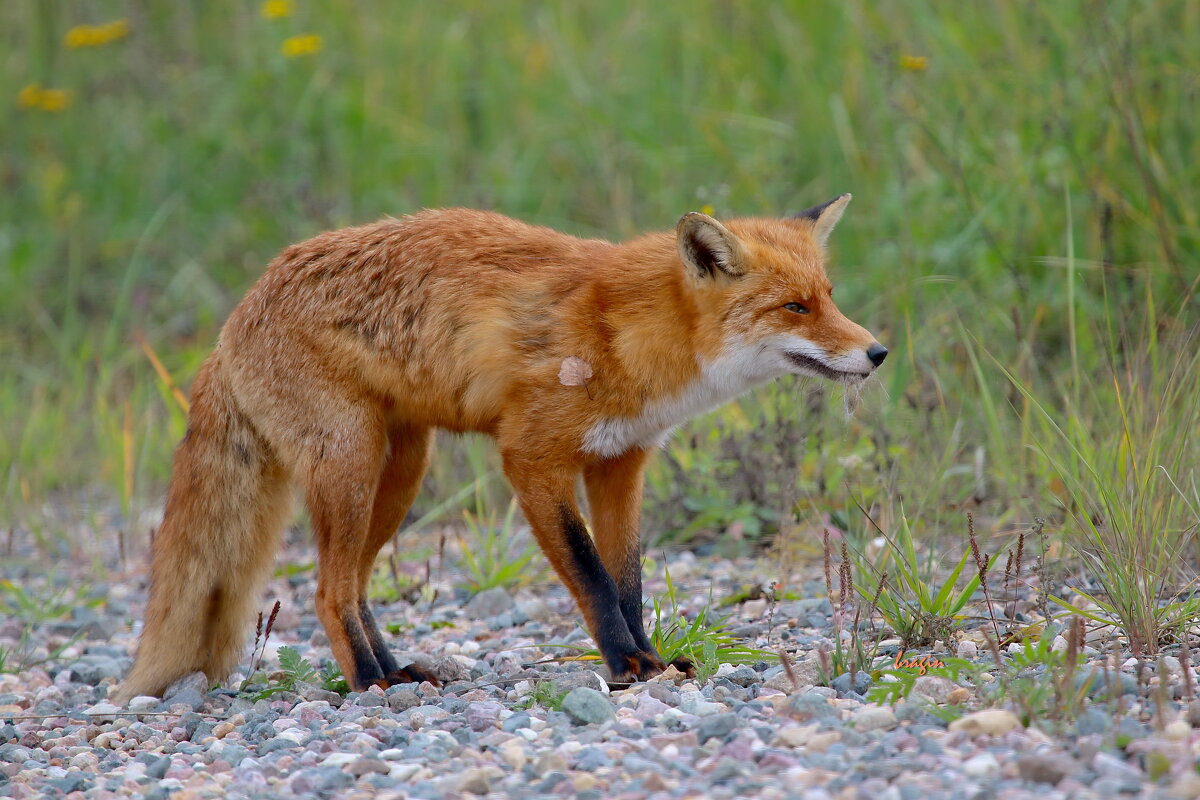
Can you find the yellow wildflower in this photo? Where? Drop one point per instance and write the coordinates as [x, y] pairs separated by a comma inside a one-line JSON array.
[[304, 45], [96, 35], [276, 9], [30, 96], [707, 208], [35, 96], [55, 99], [914, 63]]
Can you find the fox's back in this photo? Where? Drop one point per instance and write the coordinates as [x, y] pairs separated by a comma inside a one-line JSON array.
[[437, 315]]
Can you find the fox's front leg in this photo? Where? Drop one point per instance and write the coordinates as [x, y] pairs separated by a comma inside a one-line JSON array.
[[546, 492], [614, 492]]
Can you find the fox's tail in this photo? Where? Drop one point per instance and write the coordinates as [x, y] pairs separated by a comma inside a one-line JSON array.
[[221, 528]]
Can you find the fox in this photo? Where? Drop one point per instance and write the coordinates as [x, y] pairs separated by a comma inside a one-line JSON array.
[[577, 356]]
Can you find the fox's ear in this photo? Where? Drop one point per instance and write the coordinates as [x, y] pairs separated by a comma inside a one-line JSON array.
[[825, 216], [708, 248]]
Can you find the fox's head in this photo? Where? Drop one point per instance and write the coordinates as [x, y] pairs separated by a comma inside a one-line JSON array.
[[775, 301]]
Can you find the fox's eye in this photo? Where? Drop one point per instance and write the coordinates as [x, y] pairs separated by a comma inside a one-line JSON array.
[[796, 308]]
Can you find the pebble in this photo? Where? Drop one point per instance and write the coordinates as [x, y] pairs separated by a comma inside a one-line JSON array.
[[989, 722], [587, 706]]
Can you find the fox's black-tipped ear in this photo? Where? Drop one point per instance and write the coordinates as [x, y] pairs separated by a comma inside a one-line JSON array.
[[708, 248], [825, 216]]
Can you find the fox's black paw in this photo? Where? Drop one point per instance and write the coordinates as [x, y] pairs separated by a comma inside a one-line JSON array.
[[411, 674]]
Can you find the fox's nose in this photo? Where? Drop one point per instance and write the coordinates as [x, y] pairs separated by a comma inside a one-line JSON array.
[[877, 353]]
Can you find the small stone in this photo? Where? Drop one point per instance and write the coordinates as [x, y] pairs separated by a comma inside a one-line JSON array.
[[513, 755], [223, 729], [186, 697], [158, 768], [587, 706], [144, 703], [937, 689], [967, 649], [548, 763], [483, 716], [1059, 645], [989, 722], [958, 696], [368, 766], [370, 700], [795, 735], [197, 682], [1110, 766], [1177, 730], [983, 765], [403, 699], [312, 694], [563, 684], [874, 718], [102, 710], [718, 727], [1041, 768], [488, 603]]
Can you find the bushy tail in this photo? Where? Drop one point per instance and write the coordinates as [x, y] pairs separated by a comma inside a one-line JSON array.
[[221, 528]]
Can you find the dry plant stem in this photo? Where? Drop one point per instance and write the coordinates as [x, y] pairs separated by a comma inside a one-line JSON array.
[[1039, 531], [1162, 700], [981, 562], [1185, 666], [786, 660], [828, 564]]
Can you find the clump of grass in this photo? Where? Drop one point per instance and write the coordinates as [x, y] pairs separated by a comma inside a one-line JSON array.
[[917, 606], [856, 652], [1125, 452], [492, 555]]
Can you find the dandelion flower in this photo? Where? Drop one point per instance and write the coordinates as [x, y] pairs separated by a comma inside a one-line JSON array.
[[305, 45], [707, 208], [276, 9], [55, 100], [914, 63], [30, 96], [96, 35]]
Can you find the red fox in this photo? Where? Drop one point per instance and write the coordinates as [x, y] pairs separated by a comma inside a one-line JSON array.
[[578, 356]]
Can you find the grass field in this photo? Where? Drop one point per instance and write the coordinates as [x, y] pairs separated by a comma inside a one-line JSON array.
[[1023, 237]]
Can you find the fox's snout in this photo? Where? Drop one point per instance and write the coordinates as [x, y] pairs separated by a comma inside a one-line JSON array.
[[876, 353]]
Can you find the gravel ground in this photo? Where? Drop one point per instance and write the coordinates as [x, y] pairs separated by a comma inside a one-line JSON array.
[[747, 732]]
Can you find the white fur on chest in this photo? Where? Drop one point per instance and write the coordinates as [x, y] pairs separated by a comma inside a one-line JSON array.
[[737, 369]]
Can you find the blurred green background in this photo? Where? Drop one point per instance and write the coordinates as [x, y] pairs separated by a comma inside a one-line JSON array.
[[1023, 235]]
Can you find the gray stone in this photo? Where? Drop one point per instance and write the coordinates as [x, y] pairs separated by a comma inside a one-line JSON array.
[[587, 706], [197, 682], [158, 768], [15, 753], [717, 726], [312, 693], [484, 715], [449, 669], [370, 700], [402, 699], [1041, 768], [1092, 721], [572, 680], [874, 718], [1110, 766], [810, 705], [743, 676], [934, 687], [92, 669], [590, 759], [488, 603], [187, 697], [474, 781], [368, 766], [516, 722]]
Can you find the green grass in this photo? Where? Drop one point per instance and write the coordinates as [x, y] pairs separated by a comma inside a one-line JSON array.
[[1023, 237]]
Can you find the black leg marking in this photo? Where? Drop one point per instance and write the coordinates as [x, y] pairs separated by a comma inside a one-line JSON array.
[[613, 636], [383, 656], [366, 668]]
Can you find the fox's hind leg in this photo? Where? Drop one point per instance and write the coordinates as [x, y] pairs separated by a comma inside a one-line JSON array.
[[614, 492], [341, 473], [407, 458]]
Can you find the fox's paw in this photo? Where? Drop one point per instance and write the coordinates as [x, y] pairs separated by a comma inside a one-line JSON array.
[[685, 666], [411, 674], [637, 667]]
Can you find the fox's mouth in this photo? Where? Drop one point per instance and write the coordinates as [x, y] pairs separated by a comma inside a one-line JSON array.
[[825, 371]]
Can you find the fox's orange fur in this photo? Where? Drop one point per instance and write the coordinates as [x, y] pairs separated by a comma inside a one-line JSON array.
[[344, 357]]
